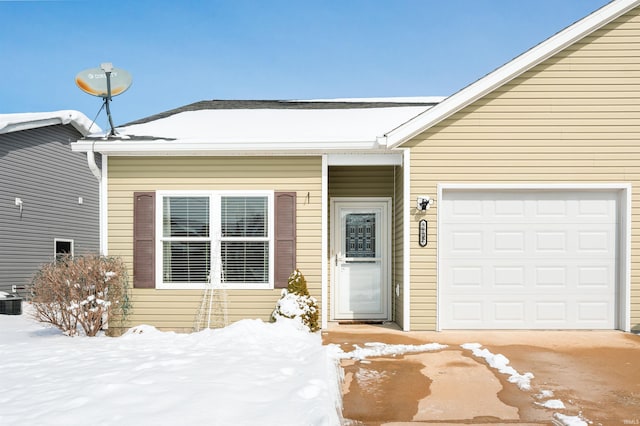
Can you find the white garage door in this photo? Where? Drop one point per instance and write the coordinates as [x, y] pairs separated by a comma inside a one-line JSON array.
[[528, 259]]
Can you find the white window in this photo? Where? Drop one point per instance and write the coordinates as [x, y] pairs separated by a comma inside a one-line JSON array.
[[62, 248], [224, 237]]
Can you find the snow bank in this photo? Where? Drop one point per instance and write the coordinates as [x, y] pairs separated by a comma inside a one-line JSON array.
[[501, 363], [250, 373]]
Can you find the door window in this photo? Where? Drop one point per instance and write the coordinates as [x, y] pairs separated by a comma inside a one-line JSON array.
[[360, 235]]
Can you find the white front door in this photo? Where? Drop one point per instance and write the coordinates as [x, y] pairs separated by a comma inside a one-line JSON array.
[[360, 259]]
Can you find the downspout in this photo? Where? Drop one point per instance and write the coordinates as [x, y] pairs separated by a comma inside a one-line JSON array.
[[91, 162]]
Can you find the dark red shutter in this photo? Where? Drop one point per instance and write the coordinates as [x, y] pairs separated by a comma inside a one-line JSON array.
[[144, 232], [285, 238]]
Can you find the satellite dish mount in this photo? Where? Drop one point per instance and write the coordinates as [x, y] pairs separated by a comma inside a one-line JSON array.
[[104, 82], [107, 67]]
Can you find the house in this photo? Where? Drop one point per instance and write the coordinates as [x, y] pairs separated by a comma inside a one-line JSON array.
[[508, 205], [48, 197]]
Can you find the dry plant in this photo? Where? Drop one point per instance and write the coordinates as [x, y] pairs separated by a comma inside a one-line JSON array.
[[82, 292]]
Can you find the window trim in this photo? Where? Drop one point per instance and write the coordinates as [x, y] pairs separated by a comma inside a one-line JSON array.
[[215, 197], [62, 240]]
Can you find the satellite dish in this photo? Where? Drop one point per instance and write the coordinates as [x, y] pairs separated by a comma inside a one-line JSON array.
[[94, 81]]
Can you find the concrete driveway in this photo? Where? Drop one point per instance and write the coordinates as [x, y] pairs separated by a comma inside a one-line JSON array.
[[588, 376]]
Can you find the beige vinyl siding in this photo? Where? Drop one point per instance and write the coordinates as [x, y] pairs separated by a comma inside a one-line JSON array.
[[575, 118], [176, 309], [361, 181]]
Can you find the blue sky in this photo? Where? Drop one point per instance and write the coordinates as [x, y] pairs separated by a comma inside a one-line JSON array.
[[179, 52]]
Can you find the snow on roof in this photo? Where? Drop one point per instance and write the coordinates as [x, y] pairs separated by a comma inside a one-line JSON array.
[[33, 120], [276, 125], [396, 99], [245, 125]]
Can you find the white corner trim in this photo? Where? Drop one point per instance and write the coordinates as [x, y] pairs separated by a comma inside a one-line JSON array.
[[324, 253], [104, 207], [406, 241], [625, 267], [509, 71], [439, 188]]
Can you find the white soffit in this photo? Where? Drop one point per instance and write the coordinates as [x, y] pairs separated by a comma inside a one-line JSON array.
[[509, 71], [360, 159]]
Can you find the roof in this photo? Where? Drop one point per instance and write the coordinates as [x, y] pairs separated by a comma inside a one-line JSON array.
[[219, 126], [318, 104], [509, 71], [33, 120]]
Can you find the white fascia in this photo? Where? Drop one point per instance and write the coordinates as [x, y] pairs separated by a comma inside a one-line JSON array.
[[509, 71], [219, 147]]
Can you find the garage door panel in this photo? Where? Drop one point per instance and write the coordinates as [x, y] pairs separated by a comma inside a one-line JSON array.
[[532, 272], [532, 205], [549, 313], [500, 240], [529, 259]]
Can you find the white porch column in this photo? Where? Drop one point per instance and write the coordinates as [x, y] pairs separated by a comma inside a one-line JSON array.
[[325, 244]]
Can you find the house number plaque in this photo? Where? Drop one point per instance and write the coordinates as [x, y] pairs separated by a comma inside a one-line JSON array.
[[422, 233]]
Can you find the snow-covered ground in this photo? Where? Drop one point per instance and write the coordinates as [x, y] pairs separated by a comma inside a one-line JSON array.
[[250, 373]]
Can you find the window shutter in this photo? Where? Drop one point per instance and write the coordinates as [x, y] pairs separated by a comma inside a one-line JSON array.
[[285, 237], [144, 209]]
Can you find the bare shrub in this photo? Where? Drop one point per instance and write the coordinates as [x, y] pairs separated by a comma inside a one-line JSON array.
[[82, 292]]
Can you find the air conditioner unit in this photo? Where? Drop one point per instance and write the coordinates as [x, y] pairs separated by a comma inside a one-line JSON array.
[[11, 305]]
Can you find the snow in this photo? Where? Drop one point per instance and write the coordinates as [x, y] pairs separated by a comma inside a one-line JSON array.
[[249, 373], [31, 120], [277, 125], [501, 363], [374, 349], [552, 403], [398, 99], [297, 307], [4, 295], [544, 394], [570, 420]]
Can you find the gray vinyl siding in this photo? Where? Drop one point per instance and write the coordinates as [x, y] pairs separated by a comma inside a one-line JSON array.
[[39, 167]]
